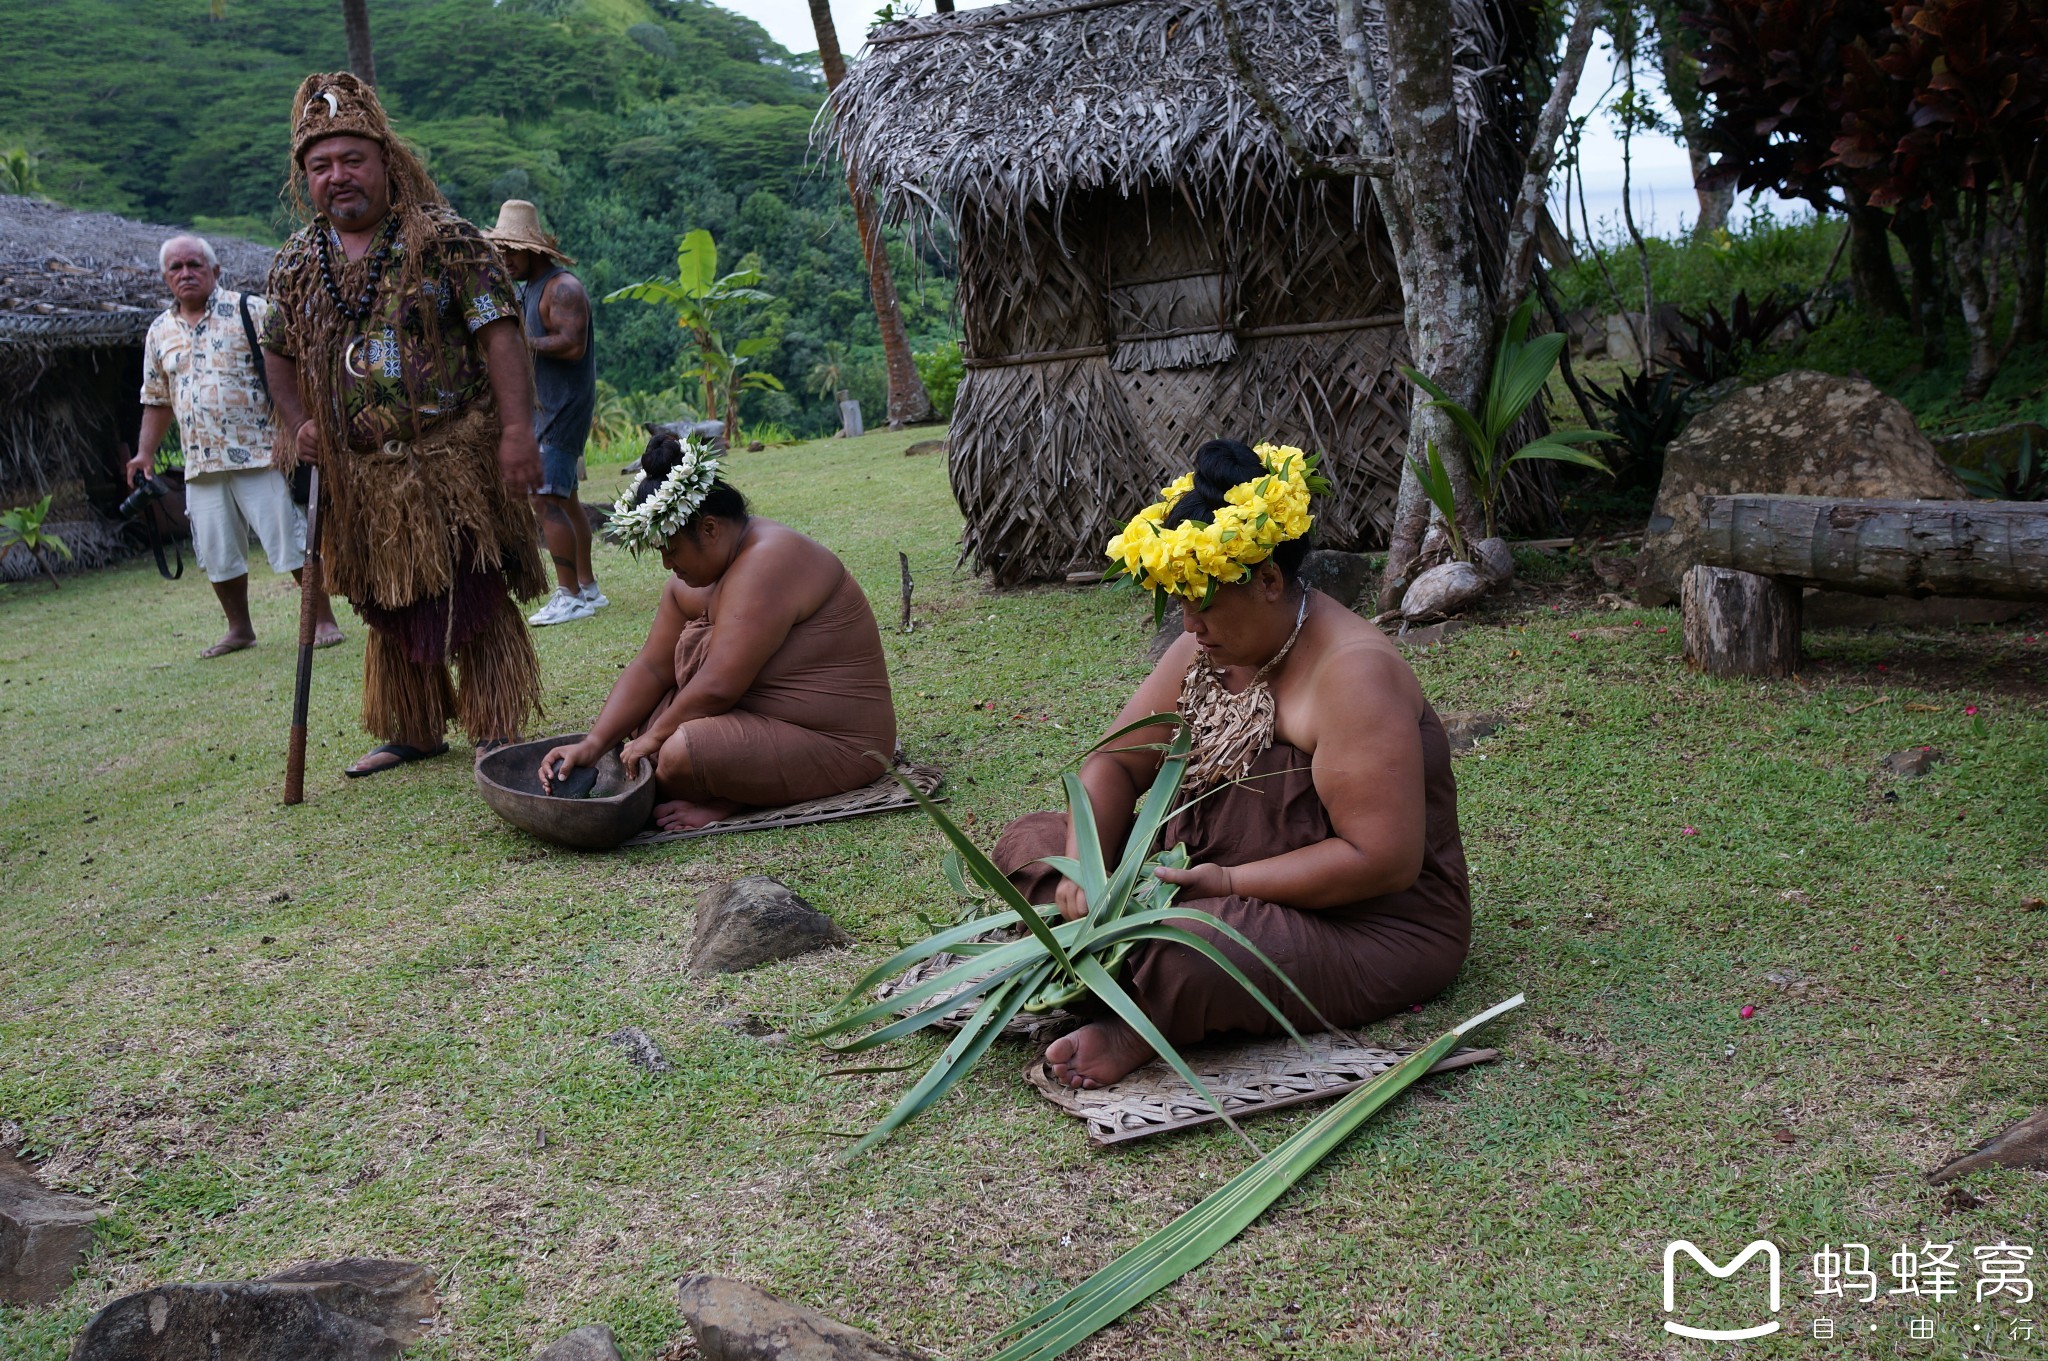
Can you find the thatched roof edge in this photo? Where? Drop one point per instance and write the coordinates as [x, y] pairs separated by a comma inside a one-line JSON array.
[[997, 111], [71, 279]]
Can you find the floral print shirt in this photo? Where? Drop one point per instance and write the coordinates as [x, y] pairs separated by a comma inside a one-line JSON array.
[[387, 358], [205, 373]]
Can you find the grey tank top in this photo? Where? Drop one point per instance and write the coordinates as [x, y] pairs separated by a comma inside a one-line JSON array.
[[564, 390]]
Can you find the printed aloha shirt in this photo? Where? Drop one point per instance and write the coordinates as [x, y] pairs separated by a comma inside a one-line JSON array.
[[203, 371], [388, 354]]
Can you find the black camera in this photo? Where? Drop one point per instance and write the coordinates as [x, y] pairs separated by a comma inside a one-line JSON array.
[[149, 489]]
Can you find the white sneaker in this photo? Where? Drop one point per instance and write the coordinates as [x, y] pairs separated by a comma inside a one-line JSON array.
[[562, 607], [593, 597]]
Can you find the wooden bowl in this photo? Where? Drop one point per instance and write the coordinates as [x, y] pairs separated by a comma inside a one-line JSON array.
[[618, 808]]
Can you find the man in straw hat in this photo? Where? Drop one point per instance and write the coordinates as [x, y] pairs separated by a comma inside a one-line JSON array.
[[394, 351], [557, 314]]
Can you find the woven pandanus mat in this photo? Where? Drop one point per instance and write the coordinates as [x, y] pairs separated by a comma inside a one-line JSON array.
[[883, 796], [1249, 1079]]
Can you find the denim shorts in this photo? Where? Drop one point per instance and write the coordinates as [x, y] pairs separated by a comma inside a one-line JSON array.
[[559, 472]]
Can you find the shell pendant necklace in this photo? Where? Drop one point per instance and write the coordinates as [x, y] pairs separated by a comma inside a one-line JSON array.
[[1230, 731]]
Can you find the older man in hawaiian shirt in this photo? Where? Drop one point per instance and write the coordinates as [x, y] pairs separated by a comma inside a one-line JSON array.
[[198, 366]]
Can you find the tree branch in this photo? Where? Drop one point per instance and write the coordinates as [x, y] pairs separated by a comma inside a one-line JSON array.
[[1521, 250], [1373, 163]]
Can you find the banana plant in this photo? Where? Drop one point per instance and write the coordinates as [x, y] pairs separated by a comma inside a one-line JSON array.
[[22, 528], [1521, 366], [1055, 961], [703, 300]]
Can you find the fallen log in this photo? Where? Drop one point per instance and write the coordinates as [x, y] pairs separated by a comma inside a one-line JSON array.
[[1995, 549]]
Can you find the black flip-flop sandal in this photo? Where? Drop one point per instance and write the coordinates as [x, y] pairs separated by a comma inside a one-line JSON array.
[[406, 756]]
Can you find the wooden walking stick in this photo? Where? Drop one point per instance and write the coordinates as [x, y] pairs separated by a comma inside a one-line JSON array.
[[302, 690]]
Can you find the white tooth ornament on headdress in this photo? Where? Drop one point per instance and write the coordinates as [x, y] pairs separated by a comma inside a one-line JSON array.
[[333, 104], [652, 522]]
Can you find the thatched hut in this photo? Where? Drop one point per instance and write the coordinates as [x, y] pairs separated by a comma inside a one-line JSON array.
[[77, 294], [1141, 265]]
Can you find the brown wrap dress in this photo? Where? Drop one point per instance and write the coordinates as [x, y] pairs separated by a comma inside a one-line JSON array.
[[1356, 963], [805, 727]]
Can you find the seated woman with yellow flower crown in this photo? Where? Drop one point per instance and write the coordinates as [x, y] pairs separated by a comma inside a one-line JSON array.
[[1329, 834], [762, 682]]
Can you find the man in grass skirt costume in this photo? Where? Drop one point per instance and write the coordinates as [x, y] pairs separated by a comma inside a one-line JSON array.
[[396, 353]]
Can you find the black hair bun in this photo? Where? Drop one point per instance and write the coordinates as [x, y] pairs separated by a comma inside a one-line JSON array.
[[1219, 465]]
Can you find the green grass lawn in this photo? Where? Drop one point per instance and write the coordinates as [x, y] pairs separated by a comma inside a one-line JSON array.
[[376, 1024]]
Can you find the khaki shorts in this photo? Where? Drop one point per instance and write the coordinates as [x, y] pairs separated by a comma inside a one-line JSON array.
[[225, 508]]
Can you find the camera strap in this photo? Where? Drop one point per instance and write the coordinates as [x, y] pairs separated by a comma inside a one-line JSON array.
[[156, 546], [255, 350]]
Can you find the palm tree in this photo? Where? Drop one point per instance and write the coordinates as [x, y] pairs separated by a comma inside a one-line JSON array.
[[908, 401]]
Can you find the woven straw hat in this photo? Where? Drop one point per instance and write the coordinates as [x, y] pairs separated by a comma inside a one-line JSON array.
[[336, 104], [519, 229]]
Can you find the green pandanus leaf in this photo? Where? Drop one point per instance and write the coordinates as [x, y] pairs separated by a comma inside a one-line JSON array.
[[1196, 1236], [963, 1053]]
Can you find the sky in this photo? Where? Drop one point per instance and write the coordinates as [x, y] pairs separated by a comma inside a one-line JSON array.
[[1661, 177]]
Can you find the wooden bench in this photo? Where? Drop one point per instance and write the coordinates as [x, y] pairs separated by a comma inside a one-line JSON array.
[[1758, 554]]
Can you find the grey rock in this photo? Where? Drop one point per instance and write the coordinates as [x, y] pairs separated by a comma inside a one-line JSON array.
[[754, 920], [1465, 729], [1799, 434], [1341, 576], [594, 1342], [43, 1235], [925, 446], [734, 1321], [355, 1309], [1911, 763], [1429, 635], [2024, 1145], [1445, 590]]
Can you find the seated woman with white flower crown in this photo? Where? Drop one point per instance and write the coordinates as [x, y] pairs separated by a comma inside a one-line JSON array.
[[1318, 809], [762, 681]]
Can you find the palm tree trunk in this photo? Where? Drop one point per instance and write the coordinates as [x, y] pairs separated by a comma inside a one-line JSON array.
[[908, 400], [355, 17]]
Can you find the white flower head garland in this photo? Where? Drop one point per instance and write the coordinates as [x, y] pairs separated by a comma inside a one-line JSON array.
[[652, 522]]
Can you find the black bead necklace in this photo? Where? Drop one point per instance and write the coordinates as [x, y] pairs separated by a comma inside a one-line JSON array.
[[378, 256]]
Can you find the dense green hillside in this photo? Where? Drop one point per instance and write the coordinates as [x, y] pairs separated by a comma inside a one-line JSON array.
[[628, 121]]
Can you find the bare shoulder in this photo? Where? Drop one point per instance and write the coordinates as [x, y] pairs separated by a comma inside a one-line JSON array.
[[565, 288], [1352, 666]]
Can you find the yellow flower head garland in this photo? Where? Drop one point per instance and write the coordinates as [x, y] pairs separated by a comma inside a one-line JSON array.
[[1192, 559]]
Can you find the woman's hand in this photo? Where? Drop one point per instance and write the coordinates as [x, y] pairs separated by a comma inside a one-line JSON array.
[[561, 760], [1073, 904], [1199, 881], [646, 747]]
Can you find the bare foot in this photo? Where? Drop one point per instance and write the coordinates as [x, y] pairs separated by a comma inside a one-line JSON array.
[[232, 642], [1098, 1054], [680, 815], [327, 635], [389, 755]]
